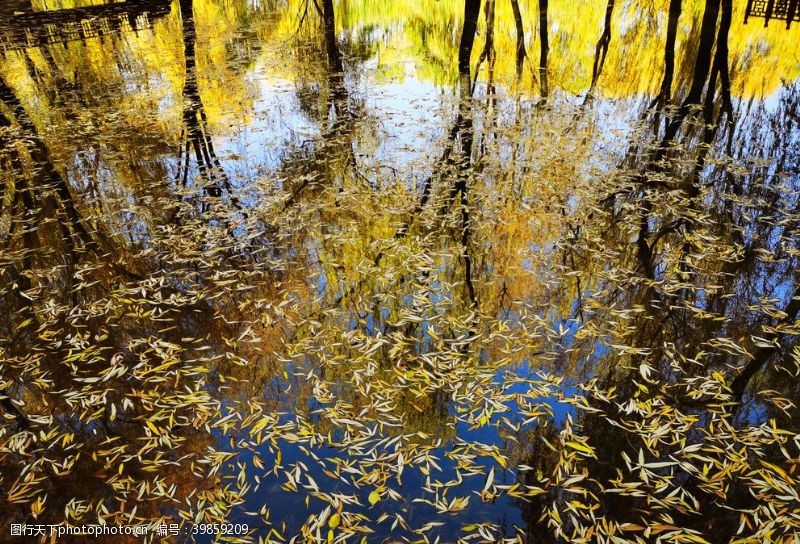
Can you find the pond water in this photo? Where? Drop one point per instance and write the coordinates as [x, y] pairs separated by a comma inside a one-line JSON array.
[[360, 271]]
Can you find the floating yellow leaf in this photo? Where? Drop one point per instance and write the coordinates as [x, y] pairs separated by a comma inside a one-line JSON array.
[[374, 497], [583, 448]]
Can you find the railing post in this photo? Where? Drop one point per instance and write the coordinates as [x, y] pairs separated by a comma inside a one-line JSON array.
[[768, 14], [791, 11]]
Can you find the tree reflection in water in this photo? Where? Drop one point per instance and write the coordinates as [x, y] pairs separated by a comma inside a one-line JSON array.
[[346, 271]]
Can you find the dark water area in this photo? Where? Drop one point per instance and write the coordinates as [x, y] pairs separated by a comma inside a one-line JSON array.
[[359, 271]]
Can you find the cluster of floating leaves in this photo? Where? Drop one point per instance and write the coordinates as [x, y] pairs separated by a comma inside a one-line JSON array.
[[535, 328]]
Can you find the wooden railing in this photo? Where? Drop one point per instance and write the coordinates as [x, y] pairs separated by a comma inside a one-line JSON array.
[[783, 10], [25, 28]]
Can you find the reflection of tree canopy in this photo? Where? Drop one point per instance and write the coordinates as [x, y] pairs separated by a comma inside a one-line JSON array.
[[593, 334], [79, 388]]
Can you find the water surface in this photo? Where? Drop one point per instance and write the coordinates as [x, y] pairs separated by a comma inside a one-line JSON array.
[[366, 271]]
